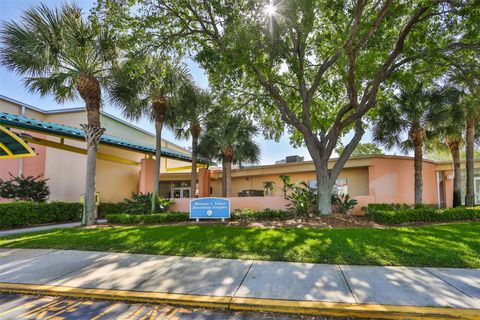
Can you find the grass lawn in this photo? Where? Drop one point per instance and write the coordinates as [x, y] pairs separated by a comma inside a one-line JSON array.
[[452, 245]]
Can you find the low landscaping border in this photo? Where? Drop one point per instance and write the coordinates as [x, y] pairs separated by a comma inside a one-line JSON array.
[[398, 214], [22, 214], [139, 219], [156, 218]]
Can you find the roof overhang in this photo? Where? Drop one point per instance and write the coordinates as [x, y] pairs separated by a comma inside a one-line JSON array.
[[12, 146], [63, 131]]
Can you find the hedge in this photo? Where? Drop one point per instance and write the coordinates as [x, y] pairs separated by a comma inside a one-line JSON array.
[[134, 219], [267, 214], [21, 214], [105, 208], [425, 214]]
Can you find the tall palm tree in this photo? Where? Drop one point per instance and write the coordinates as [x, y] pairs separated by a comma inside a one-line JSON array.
[[447, 134], [410, 111], [59, 52], [148, 86], [195, 104], [229, 138], [471, 80]]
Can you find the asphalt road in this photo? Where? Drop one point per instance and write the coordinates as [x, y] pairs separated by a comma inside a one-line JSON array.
[[15, 306]]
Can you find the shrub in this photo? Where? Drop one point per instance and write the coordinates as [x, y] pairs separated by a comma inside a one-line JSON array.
[[372, 207], [267, 214], [343, 203], [135, 219], [20, 214], [25, 188], [105, 208], [426, 214], [141, 203], [303, 199]]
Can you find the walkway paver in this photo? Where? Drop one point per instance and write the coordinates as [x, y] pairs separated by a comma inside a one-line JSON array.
[[117, 271], [465, 280], [295, 281], [427, 287], [203, 276], [404, 286]]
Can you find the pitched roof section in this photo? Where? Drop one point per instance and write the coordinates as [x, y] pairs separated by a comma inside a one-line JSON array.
[[29, 124], [83, 109]]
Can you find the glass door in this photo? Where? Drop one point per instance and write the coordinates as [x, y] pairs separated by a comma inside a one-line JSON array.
[[181, 193]]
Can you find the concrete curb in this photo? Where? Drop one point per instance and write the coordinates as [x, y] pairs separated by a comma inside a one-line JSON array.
[[251, 304]]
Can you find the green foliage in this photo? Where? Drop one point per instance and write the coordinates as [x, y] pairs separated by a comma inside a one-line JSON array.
[[362, 149], [140, 203], [25, 188], [230, 138], [424, 214], [287, 184], [267, 214], [105, 208], [22, 214], [455, 245], [52, 47], [372, 207], [303, 199], [143, 79], [269, 188], [136, 219], [343, 203]]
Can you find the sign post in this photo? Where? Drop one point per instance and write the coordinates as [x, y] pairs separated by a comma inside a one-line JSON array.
[[210, 208]]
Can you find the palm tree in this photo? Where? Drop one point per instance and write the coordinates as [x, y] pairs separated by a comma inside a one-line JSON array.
[[59, 52], [411, 111], [148, 86], [229, 139], [448, 133], [195, 104]]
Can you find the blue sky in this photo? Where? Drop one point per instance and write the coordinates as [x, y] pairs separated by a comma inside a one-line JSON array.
[[11, 85]]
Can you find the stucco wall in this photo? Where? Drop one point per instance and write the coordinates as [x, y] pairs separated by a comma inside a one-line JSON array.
[[392, 180], [357, 181], [261, 203]]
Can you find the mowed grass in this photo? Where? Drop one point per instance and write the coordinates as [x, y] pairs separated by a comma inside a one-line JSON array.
[[450, 245]]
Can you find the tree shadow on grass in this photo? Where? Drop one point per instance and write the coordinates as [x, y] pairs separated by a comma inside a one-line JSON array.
[[455, 245]]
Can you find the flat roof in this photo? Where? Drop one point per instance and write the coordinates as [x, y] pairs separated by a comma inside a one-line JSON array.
[[30, 124]]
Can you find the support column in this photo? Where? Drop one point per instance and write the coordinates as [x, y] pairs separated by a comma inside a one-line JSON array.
[[204, 182], [147, 174]]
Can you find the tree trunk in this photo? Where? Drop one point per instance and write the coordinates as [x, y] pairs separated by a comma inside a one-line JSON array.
[[195, 132], [469, 149], [454, 146], [324, 189], [89, 89], [224, 178], [417, 134], [418, 163], [159, 109], [228, 178]]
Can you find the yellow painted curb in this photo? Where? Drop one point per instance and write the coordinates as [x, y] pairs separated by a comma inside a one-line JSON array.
[[122, 295], [252, 304], [353, 310]]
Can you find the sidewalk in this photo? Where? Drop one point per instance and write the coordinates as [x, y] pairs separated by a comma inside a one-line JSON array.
[[243, 284], [44, 227]]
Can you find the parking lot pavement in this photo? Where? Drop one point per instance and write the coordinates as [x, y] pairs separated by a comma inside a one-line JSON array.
[[15, 306]]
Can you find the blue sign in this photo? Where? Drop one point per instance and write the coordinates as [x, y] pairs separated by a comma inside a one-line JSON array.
[[210, 208]]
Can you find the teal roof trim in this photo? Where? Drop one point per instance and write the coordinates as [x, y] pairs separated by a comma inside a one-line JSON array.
[[22, 122]]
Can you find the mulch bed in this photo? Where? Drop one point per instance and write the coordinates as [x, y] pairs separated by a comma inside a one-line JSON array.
[[331, 221]]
